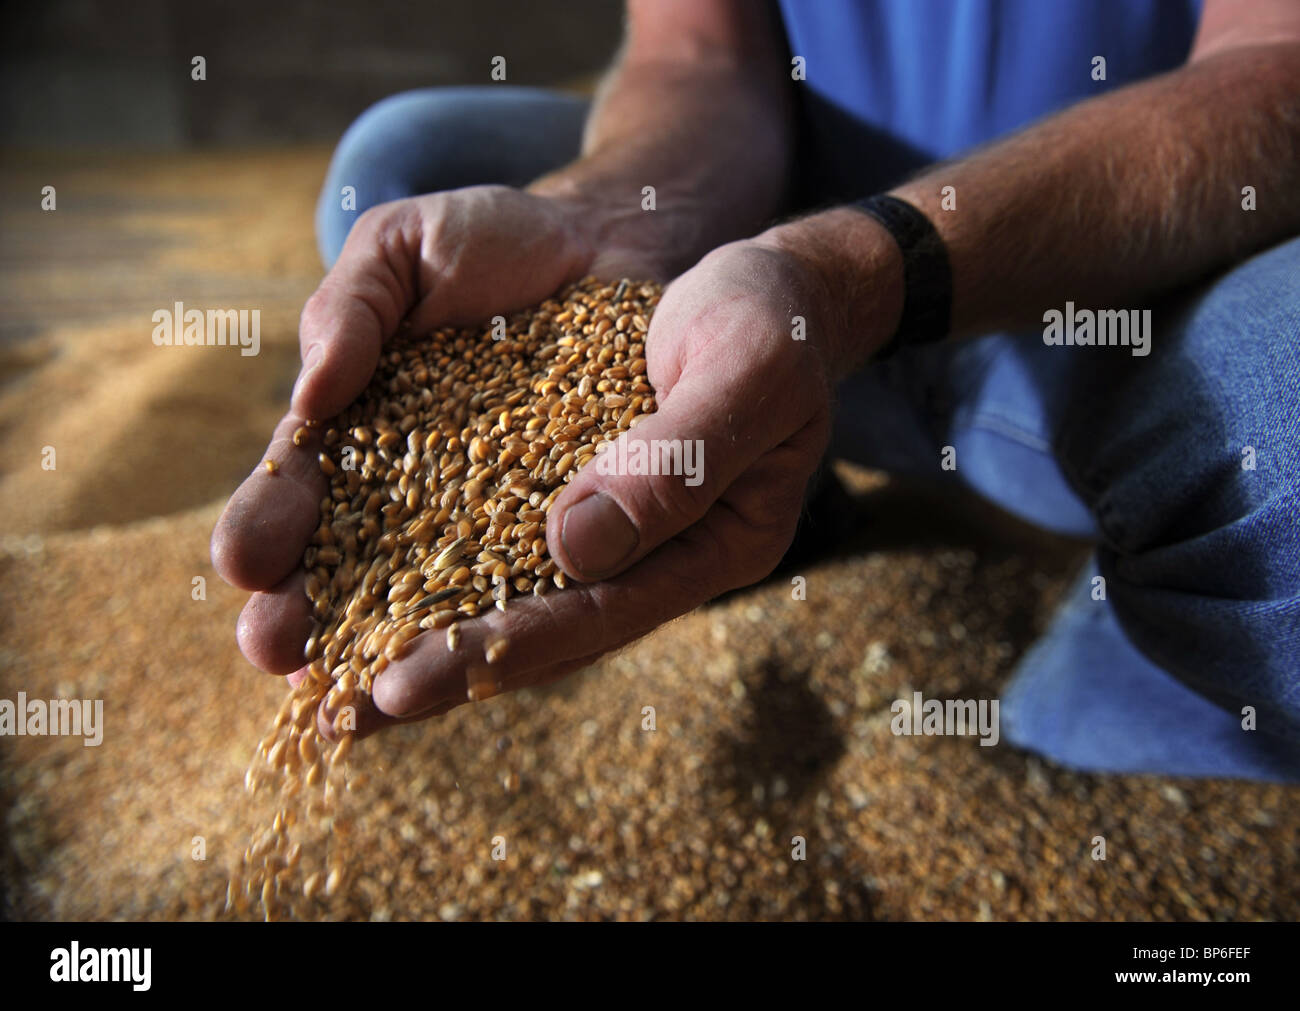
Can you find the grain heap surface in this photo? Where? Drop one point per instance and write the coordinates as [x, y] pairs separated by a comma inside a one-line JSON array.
[[440, 478], [772, 720], [773, 713]]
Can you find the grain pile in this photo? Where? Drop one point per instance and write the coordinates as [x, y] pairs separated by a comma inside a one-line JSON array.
[[772, 721], [772, 713], [440, 478]]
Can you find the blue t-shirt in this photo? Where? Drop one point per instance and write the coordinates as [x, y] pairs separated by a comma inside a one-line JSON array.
[[945, 75]]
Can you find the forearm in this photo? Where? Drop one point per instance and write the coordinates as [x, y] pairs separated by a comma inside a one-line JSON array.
[[1123, 196], [710, 133], [1106, 204]]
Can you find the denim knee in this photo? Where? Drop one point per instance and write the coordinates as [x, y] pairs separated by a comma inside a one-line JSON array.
[[1190, 463], [435, 139]]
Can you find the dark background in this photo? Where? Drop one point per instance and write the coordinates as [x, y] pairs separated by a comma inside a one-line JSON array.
[[91, 73]]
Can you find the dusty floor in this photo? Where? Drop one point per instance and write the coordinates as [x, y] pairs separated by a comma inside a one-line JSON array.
[[771, 714]]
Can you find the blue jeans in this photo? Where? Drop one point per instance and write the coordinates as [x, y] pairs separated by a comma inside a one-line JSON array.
[[1182, 634]]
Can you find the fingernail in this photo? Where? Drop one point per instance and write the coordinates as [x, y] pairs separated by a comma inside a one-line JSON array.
[[314, 354], [597, 535]]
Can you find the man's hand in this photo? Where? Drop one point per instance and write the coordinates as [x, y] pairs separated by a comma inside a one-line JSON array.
[[443, 259], [727, 372], [698, 108]]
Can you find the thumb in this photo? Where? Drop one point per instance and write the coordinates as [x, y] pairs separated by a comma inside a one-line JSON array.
[[358, 305], [654, 481]]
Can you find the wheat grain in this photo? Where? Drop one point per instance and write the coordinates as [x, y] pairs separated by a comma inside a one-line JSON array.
[[440, 477]]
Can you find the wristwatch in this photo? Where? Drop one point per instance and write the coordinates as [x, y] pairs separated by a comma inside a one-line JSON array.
[[927, 275]]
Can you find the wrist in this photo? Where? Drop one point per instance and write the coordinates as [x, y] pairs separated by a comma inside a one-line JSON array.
[[857, 269], [611, 221]]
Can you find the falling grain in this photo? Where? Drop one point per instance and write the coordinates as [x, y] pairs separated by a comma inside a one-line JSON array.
[[440, 477], [495, 648]]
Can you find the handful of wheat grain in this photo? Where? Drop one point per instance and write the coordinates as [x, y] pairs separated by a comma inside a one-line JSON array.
[[440, 478]]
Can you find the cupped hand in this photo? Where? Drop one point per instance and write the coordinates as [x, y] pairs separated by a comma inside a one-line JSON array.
[[731, 378], [450, 258]]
